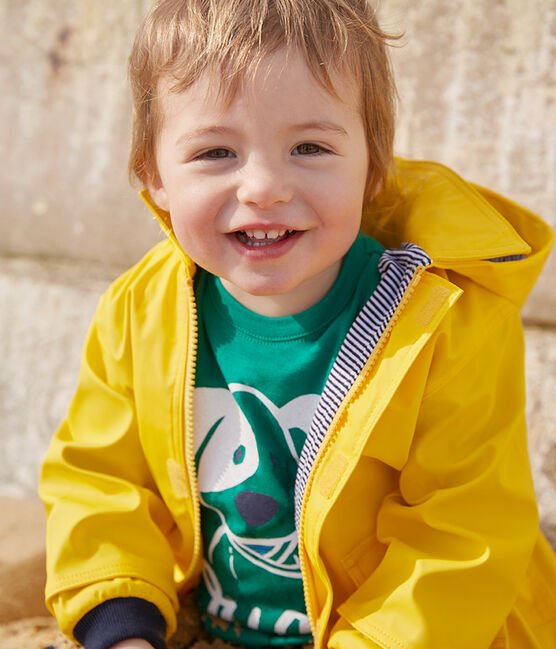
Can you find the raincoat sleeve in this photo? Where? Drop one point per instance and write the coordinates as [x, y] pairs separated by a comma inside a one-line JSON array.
[[461, 527], [106, 522]]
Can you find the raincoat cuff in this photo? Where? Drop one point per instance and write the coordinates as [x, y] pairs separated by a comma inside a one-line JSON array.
[[120, 619]]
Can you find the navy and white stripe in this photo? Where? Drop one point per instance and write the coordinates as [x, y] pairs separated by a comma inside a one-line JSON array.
[[396, 267], [499, 260]]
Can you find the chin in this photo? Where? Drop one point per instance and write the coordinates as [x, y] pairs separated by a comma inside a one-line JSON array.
[[263, 287]]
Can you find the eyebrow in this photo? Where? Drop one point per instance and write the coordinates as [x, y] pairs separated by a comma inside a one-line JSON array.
[[317, 125], [203, 131], [327, 127]]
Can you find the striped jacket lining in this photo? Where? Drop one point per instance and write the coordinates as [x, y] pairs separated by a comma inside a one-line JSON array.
[[499, 260], [396, 268]]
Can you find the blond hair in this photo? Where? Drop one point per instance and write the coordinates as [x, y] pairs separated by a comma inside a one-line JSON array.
[[182, 39]]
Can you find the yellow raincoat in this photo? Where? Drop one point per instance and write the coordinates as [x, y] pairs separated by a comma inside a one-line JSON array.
[[418, 526]]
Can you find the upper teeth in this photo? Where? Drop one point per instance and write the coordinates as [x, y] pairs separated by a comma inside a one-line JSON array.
[[260, 234]]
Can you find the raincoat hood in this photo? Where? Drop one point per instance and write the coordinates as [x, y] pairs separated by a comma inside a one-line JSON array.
[[461, 226]]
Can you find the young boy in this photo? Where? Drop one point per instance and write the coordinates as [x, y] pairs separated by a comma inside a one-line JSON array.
[[323, 436]]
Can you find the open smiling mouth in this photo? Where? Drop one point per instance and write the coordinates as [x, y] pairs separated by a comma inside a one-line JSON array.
[[259, 238]]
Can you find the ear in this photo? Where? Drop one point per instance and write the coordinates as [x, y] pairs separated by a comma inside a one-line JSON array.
[[158, 192]]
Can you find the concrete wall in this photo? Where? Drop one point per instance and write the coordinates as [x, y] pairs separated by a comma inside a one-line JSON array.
[[64, 130], [477, 83]]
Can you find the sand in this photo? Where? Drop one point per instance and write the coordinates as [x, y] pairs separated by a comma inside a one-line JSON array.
[[43, 633]]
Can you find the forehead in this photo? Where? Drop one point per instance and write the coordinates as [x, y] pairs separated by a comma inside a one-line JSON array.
[[283, 76]]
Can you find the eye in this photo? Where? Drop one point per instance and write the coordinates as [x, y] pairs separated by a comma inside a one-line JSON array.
[[218, 153], [309, 148], [239, 454], [225, 445]]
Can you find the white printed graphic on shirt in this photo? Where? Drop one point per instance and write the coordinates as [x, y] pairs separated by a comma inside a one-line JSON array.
[[238, 448]]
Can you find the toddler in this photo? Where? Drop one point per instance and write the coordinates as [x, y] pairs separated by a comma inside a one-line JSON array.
[[307, 403]]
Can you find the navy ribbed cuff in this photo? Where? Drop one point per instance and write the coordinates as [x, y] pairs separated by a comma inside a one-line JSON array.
[[119, 619]]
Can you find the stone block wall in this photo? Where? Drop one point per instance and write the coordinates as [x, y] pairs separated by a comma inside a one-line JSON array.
[[477, 85], [65, 124]]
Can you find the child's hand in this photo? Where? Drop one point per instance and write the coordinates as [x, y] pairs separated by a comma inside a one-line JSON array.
[[133, 643]]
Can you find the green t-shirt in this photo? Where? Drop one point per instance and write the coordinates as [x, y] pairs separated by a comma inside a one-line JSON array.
[[258, 383]]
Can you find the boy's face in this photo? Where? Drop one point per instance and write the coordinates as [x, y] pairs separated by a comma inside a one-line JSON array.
[[265, 193]]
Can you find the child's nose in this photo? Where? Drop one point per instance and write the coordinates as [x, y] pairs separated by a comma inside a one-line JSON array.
[[264, 184]]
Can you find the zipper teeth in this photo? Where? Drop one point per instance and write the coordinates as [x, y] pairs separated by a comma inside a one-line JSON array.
[[187, 434], [333, 433]]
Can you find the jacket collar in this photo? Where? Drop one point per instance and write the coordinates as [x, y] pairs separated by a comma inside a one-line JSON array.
[[454, 221]]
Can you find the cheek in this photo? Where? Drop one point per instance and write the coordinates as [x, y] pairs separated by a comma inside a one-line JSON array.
[[195, 231], [190, 228], [192, 207], [343, 195], [201, 198]]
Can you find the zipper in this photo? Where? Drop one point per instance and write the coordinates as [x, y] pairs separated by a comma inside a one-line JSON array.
[[332, 434], [186, 441]]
